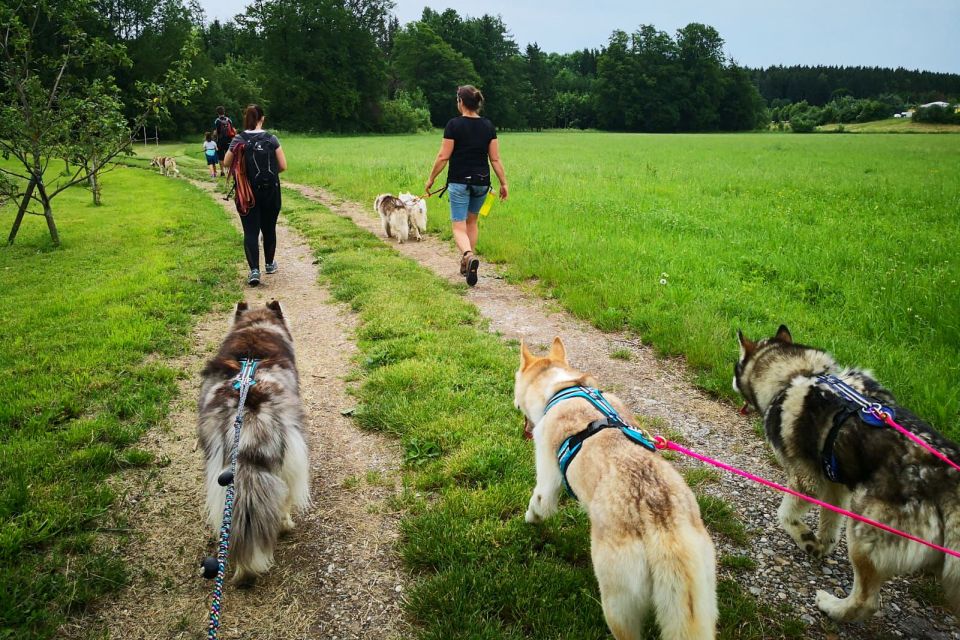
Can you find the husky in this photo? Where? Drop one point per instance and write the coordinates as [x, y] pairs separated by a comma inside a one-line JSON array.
[[417, 210], [648, 544], [876, 471], [272, 473], [166, 164], [393, 216]]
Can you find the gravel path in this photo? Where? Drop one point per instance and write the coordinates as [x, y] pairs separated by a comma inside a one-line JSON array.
[[659, 388], [337, 576]]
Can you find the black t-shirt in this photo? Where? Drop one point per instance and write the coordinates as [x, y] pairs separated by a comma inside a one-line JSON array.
[[471, 139]]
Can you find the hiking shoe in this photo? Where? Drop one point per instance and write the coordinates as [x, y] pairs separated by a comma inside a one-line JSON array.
[[472, 265], [254, 278], [463, 262], [271, 267]]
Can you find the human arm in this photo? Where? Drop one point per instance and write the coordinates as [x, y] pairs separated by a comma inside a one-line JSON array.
[[443, 156], [281, 161], [228, 160], [494, 152]]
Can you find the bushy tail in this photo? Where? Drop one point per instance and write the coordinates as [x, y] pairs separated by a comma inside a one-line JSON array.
[[258, 519], [685, 587], [950, 576]]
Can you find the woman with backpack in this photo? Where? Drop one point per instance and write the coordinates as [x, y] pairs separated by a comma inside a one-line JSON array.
[[223, 126], [263, 160], [468, 142]]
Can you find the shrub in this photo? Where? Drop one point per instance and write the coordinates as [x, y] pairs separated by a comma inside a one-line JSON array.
[[403, 114]]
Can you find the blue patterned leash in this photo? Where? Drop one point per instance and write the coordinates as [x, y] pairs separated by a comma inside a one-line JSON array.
[[242, 382]]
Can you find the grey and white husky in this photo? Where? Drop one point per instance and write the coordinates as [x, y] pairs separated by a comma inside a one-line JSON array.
[[877, 472], [272, 475]]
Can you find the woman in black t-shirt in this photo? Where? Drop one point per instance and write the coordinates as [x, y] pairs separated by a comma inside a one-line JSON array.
[[468, 142], [264, 176]]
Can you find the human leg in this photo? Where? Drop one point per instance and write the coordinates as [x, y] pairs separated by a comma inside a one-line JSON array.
[[251, 237]]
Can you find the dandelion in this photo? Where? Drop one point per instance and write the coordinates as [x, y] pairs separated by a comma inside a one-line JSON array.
[[663, 281]]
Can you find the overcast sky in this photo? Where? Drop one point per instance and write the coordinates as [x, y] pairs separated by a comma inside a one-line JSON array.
[[916, 34]]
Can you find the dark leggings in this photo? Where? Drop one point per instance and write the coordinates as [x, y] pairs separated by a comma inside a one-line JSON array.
[[262, 218]]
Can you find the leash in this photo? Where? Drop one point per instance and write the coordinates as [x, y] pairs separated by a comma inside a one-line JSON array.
[[441, 191], [876, 414], [663, 443], [242, 382]]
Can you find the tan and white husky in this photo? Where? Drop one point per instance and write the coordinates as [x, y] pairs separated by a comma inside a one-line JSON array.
[[649, 547], [272, 478]]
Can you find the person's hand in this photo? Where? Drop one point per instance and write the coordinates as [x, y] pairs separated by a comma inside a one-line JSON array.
[[503, 192], [426, 187]]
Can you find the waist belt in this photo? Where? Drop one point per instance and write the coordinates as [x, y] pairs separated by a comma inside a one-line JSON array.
[[570, 447]]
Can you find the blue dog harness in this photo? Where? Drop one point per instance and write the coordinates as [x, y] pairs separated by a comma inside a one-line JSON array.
[[570, 447], [856, 404]]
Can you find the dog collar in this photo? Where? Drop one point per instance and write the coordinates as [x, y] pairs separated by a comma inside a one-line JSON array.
[[571, 446]]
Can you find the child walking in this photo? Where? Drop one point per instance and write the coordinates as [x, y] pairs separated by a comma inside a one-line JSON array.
[[210, 151]]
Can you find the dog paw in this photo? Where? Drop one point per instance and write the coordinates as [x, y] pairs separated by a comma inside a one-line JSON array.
[[535, 509]]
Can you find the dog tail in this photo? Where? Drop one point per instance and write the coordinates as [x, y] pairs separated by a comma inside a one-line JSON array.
[[950, 577], [261, 499], [685, 585]]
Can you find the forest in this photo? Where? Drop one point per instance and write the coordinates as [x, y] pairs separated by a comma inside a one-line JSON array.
[[350, 66]]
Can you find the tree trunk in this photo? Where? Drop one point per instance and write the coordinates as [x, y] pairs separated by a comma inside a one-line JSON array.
[[94, 181], [23, 210], [48, 214]]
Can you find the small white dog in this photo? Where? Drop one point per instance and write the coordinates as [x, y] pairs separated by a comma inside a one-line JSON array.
[[402, 216], [417, 208], [166, 164]]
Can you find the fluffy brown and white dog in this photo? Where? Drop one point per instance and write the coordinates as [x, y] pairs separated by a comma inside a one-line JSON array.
[[879, 473], [648, 544], [399, 219], [166, 164], [272, 474]]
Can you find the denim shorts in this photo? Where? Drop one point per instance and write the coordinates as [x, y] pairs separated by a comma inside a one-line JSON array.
[[465, 198]]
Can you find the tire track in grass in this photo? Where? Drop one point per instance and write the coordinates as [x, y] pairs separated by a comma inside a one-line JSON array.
[[337, 575], [769, 566]]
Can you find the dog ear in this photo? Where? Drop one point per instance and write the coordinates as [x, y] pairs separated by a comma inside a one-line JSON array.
[[557, 351], [783, 334], [747, 347], [274, 306], [241, 308], [526, 358]]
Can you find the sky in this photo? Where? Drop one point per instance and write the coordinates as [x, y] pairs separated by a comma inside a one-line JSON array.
[[915, 34]]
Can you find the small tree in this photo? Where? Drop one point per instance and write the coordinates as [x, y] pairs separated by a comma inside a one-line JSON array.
[[47, 112]]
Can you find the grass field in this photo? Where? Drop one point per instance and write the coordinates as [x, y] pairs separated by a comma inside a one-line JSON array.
[[849, 240], [78, 323], [892, 125]]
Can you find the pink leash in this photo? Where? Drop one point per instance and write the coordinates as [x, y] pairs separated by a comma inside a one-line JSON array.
[[883, 415], [663, 443]]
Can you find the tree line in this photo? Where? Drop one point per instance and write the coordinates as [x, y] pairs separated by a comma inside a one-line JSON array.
[[820, 85]]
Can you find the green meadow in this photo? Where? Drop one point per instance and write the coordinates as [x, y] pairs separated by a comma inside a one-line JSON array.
[[89, 331], [849, 240]]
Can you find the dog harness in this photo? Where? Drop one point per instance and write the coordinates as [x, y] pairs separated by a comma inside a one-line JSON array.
[[855, 404], [570, 447]]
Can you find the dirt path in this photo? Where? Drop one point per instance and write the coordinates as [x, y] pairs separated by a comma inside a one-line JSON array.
[[662, 389], [337, 575]]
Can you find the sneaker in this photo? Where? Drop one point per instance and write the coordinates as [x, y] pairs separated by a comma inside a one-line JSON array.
[[472, 265], [271, 267], [254, 278]]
